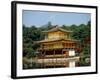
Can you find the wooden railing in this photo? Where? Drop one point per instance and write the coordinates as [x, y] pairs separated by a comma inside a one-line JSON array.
[[46, 48], [57, 55], [58, 60]]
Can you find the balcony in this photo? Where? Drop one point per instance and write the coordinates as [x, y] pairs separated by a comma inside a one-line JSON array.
[[55, 55], [47, 56], [58, 60], [59, 47]]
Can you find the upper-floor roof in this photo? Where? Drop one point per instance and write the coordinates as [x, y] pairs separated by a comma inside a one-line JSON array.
[[57, 28]]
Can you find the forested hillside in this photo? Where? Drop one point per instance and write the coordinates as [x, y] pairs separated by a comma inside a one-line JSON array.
[[81, 32]]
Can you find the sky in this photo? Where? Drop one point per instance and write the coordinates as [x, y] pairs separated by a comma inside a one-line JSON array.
[[40, 18]]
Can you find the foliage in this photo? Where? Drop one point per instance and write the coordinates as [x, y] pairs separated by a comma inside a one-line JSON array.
[[82, 33], [30, 36], [33, 34]]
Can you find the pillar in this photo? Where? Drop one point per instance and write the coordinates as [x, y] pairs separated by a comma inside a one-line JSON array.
[[71, 63], [54, 61], [72, 52]]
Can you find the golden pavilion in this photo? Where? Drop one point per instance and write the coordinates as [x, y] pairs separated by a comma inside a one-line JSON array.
[[58, 49]]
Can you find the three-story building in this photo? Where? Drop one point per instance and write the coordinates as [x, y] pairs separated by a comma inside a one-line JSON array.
[[58, 49]]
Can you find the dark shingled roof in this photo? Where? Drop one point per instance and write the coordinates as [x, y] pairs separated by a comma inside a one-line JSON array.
[[57, 28]]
